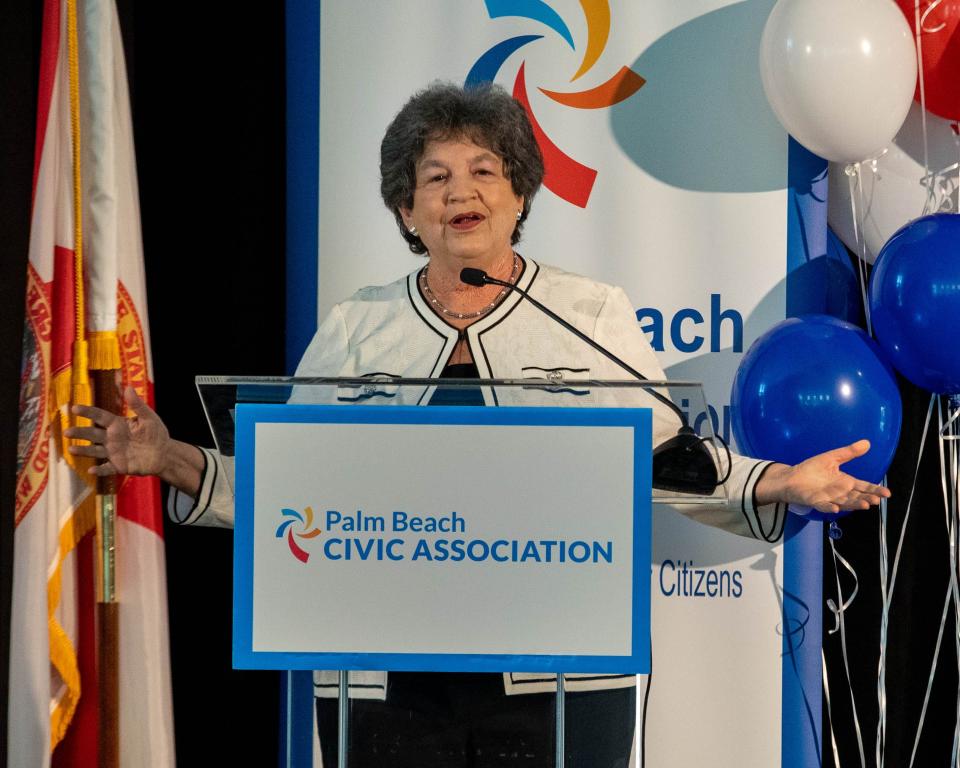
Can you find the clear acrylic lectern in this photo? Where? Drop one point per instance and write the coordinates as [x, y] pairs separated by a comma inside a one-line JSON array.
[[687, 466]]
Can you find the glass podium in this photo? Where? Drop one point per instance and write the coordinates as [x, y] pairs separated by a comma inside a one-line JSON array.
[[677, 461]]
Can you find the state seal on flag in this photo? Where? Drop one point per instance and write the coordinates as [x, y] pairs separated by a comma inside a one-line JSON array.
[[33, 445], [133, 347]]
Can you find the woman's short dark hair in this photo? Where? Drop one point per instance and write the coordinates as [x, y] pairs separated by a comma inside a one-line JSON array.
[[486, 115]]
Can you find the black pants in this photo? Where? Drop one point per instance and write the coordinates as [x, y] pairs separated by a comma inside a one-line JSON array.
[[465, 720]]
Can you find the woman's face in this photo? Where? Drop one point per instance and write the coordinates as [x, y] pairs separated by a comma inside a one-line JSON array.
[[464, 207]]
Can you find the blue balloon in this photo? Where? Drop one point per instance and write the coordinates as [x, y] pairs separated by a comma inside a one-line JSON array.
[[915, 302], [811, 384]]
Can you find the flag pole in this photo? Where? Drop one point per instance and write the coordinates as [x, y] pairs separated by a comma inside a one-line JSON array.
[[85, 322], [105, 395], [108, 609]]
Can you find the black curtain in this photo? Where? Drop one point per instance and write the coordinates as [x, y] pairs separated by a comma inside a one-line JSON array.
[[207, 84]]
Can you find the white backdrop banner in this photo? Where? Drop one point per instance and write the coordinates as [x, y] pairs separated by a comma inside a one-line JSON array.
[[667, 174]]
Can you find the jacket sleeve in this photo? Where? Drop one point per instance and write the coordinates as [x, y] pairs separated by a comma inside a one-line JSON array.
[[213, 504], [618, 330]]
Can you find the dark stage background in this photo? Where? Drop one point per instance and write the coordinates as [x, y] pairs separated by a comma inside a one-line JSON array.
[[207, 84], [208, 106], [208, 103]]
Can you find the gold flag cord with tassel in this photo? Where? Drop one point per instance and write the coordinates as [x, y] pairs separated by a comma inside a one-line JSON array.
[[80, 377], [81, 519]]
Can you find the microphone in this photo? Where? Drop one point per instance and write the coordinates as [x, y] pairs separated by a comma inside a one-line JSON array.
[[479, 278], [681, 464]]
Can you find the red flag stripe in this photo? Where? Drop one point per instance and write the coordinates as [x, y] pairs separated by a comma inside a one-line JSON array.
[[50, 48]]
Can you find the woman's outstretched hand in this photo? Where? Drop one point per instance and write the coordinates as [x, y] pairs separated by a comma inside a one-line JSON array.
[[819, 483], [139, 445], [131, 446]]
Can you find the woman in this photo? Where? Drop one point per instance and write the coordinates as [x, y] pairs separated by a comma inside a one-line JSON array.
[[459, 170]]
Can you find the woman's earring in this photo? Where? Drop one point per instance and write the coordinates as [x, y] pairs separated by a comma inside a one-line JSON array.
[[519, 215], [413, 231]]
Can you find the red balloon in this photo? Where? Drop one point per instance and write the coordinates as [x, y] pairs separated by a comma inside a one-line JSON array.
[[941, 54]]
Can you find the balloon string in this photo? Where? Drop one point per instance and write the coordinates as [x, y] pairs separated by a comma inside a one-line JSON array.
[[838, 612], [913, 488], [945, 430], [886, 591], [950, 477], [853, 179], [918, 27], [923, 19], [884, 616], [863, 244], [956, 556], [948, 484], [942, 187], [955, 519], [933, 669], [826, 698], [853, 172], [840, 625]]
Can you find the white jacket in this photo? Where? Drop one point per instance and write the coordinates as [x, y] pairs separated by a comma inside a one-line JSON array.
[[390, 330]]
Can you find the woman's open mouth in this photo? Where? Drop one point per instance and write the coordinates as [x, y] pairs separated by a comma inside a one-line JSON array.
[[463, 222]]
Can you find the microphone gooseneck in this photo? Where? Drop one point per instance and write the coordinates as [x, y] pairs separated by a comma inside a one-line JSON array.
[[680, 464], [478, 278]]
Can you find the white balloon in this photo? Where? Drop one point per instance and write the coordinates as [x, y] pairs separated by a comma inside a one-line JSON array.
[[894, 193], [839, 74]]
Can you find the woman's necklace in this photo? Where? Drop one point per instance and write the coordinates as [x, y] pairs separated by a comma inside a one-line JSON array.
[[436, 303]]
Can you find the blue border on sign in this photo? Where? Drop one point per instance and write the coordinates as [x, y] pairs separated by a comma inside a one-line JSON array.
[[249, 415]]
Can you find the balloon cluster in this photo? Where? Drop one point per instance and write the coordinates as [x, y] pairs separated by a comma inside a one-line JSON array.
[[841, 75]]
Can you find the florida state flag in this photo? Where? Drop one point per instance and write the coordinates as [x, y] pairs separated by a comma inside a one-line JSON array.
[[86, 310]]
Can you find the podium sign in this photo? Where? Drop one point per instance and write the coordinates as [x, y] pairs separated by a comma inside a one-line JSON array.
[[443, 539]]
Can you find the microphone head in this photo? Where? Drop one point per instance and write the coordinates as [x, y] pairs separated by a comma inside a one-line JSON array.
[[683, 464], [472, 276]]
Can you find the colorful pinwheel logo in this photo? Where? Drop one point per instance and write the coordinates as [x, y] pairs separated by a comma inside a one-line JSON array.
[[309, 532], [563, 176]]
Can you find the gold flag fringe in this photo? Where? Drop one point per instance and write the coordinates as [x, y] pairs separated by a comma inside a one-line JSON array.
[[63, 656], [104, 350]]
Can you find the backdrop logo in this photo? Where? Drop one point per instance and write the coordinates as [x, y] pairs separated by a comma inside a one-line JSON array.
[[564, 176], [308, 531]]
